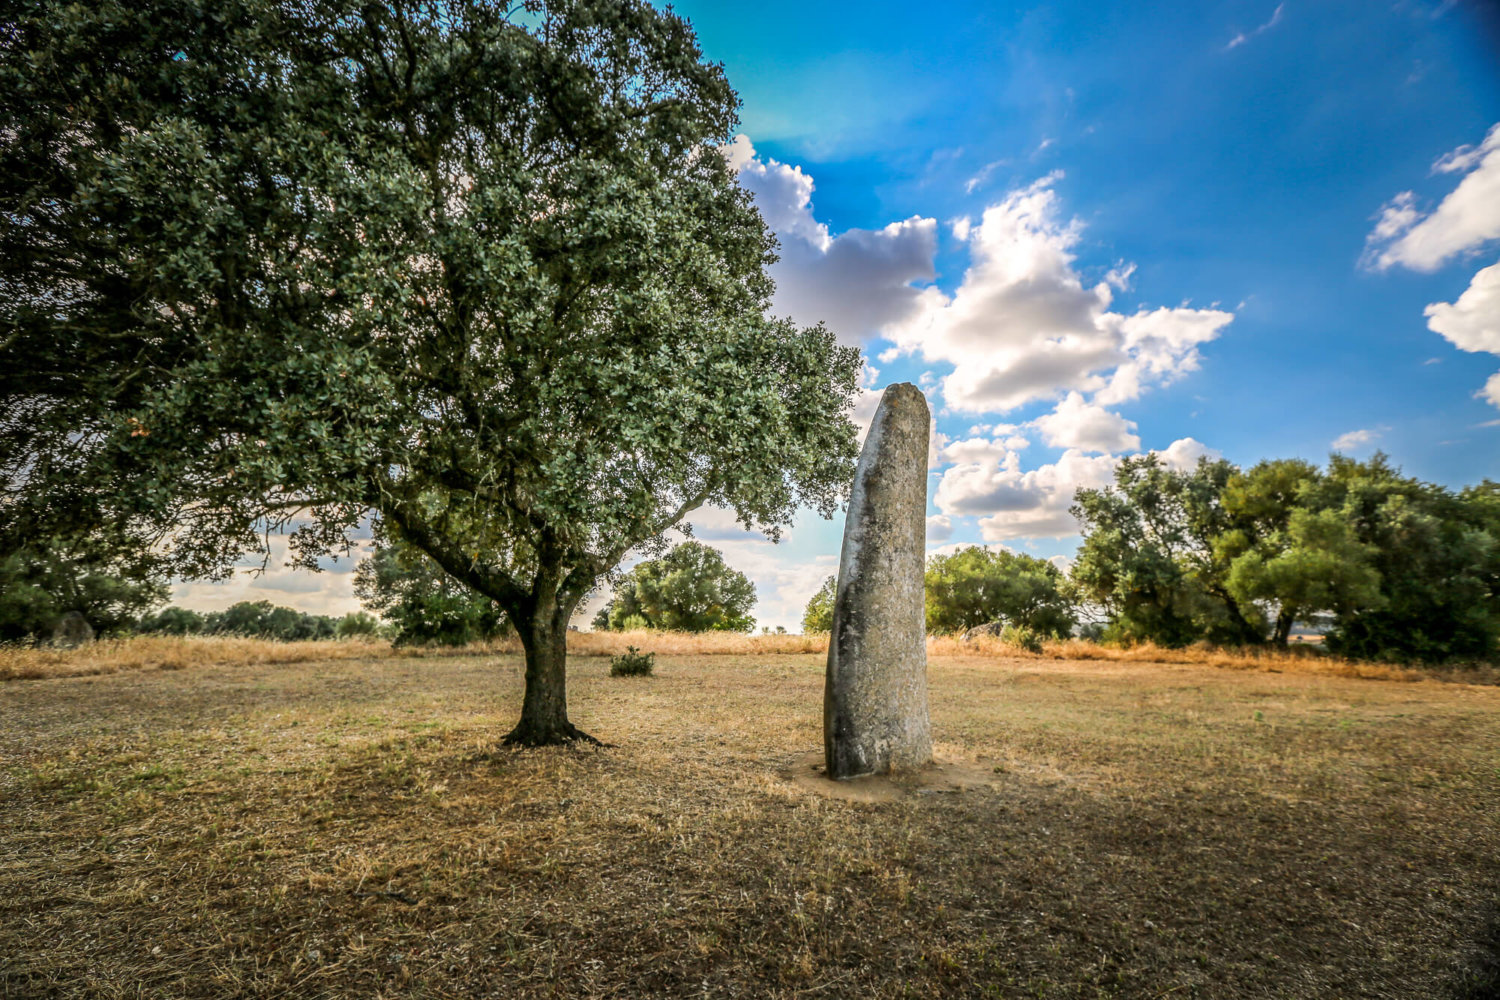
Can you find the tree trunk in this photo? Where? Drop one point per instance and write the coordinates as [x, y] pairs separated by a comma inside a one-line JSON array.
[[544, 713], [1283, 626], [1247, 632]]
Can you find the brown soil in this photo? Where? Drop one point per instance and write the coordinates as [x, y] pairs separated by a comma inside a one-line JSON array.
[[809, 773]]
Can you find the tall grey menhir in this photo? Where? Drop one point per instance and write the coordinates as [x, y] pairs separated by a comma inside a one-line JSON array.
[[875, 700]]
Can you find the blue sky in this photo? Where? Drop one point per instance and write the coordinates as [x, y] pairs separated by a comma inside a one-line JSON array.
[[1093, 229]]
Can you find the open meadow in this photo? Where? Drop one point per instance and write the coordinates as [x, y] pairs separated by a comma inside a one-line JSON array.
[[348, 827]]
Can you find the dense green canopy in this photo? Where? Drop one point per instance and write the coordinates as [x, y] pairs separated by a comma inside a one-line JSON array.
[[690, 589], [475, 268], [977, 586], [1397, 568], [402, 584], [818, 615]]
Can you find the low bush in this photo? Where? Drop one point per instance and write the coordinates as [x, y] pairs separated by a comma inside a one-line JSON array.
[[1022, 637], [632, 663]]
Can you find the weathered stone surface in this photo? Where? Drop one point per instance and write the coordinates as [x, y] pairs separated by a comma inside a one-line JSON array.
[[72, 630], [875, 698], [992, 629]]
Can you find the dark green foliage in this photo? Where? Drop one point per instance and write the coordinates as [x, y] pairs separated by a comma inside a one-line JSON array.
[[1148, 557], [1019, 635], [357, 624], [473, 266], [252, 619], [632, 663], [262, 620], [1404, 570], [690, 589], [44, 579], [404, 586], [1285, 553], [818, 616], [173, 621], [1437, 554], [976, 586]]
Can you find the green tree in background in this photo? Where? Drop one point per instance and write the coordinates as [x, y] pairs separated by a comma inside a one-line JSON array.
[[1148, 555], [254, 619], [42, 579], [403, 585], [477, 268], [357, 624], [1287, 557], [690, 589], [1437, 554], [976, 586], [1404, 570], [818, 615], [263, 620], [1315, 565], [174, 621]]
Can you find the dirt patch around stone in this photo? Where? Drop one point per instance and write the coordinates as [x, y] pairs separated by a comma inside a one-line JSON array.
[[809, 773]]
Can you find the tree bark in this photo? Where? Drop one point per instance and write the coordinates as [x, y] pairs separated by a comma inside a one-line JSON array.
[[1283, 629], [544, 712]]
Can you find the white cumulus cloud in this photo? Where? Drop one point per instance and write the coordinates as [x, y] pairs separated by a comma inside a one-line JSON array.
[[1472, 323], [1184, 454], [1465, 220], [1023, 325], [988, 481], [857, 282], [1087, 427]]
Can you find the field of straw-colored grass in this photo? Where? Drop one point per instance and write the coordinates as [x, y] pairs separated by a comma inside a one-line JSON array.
[[178, 653], [348, 826], [154, 652]]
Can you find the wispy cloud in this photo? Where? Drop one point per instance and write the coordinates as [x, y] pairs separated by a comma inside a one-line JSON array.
[[1351, 440], [1243, 37], [983, 175]]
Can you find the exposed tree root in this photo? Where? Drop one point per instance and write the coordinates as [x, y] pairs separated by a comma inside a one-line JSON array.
[[548, 736]]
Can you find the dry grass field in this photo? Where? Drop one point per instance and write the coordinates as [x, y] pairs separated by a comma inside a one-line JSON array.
[[344, 825]]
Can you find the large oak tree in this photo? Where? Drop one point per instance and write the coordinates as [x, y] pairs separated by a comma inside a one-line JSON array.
[[480, 270]]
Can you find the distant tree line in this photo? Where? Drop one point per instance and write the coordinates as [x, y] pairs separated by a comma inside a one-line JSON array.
[[1397, 568], [118, 588], [1026, 598], [1387, 566], [259, 620]]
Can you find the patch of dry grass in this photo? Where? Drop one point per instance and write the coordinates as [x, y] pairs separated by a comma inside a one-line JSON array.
[[174, 653], [349, 828], [153, 652], [693, 643], [1295, 659]]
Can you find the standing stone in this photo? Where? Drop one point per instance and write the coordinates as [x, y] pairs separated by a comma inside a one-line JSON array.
[[875, 697], [72, 630]]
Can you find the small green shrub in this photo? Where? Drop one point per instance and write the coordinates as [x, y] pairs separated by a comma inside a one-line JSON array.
[[1028, 639], [632, 663]]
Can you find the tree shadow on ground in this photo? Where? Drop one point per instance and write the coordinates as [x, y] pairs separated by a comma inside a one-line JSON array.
[[1480, 980]]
